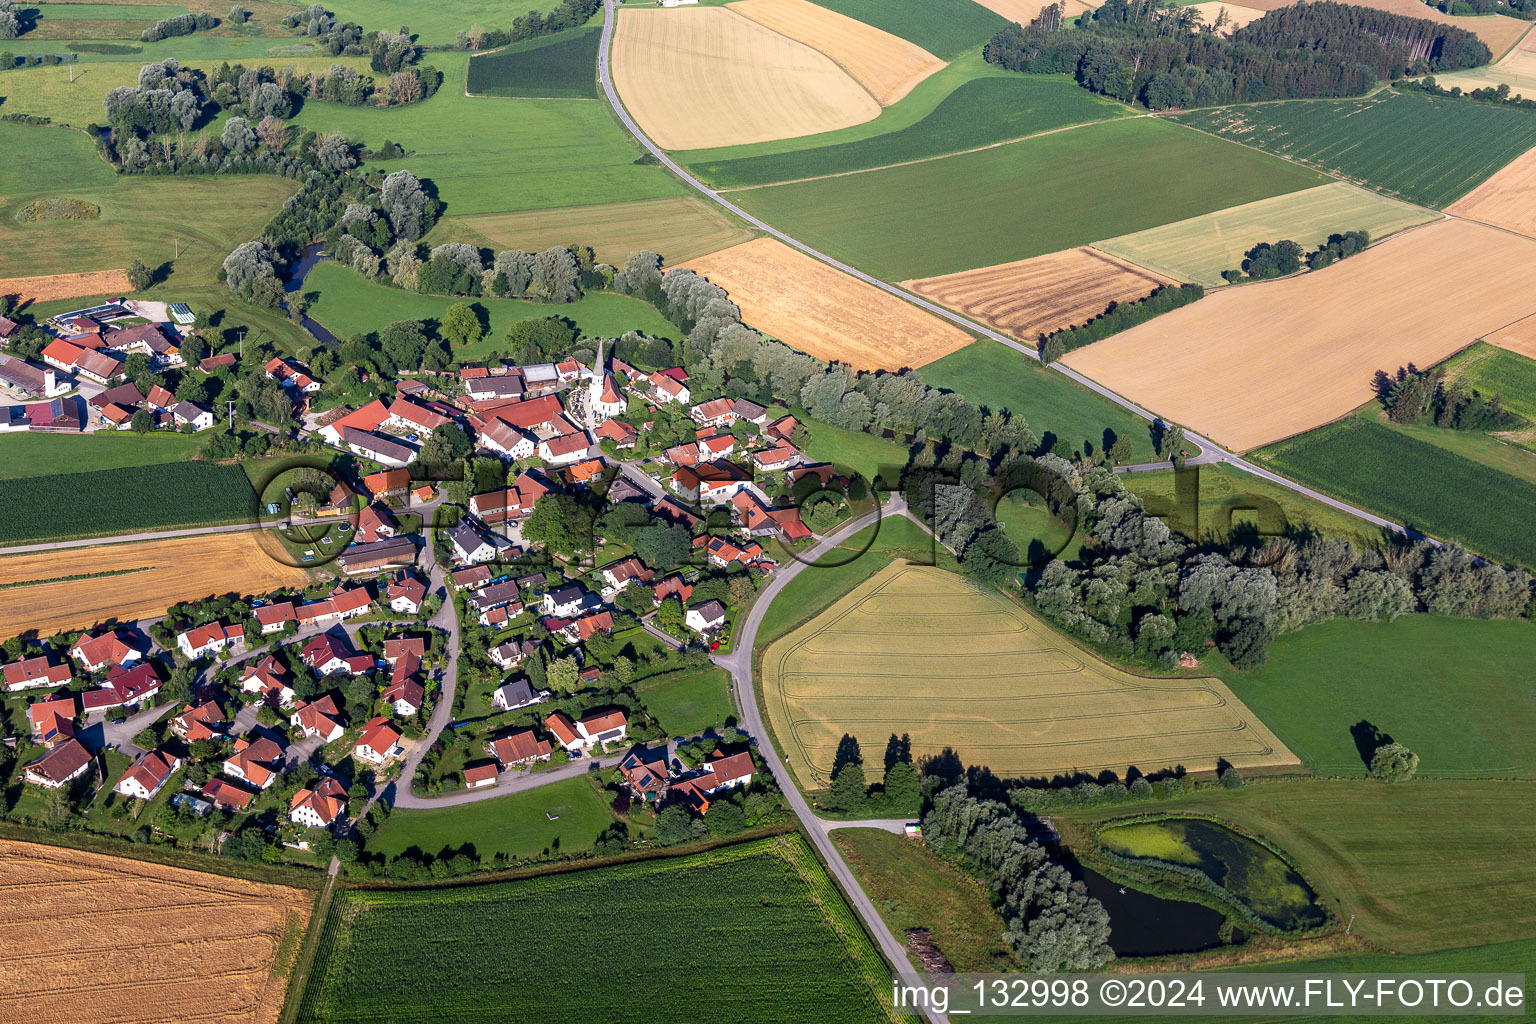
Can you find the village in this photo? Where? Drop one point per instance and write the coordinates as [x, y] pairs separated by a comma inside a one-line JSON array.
[[445, 650]]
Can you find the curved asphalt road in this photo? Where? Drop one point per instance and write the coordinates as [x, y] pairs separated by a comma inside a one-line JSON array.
[[1214, 450]]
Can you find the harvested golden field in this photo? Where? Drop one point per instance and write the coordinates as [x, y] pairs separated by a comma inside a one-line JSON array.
[[148, 576], [1200, 248], [678, 228], [888, 66], [1026, 11], [1506, 200], [816, 309], [698, 77], [92, 939], [920, 650], [1518, 337], [1516, 69], [1237, 16], [1032, 297], [1251, 365], [64, 286]]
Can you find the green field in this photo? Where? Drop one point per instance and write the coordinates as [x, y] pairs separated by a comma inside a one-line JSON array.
[[28, 454], [1457, 692], [1412, 481], [563, 64], [970, 210], [717, 936], [124, 501], [350, 304], [1389, 141], [942, 27], [687, 703], [1497, 371], [434, 24], [94, 12], [1028, 525], [492, 154], [1491, 450], [980, 112], [1201, 248], [70, 158], [855, 450], [997, 377], [1397, 856], [518, 825]]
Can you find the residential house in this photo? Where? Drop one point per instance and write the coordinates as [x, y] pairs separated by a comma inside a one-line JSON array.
[[478, 776], [209, 638], [507, 441], [705, 618], [511, 654], [583, 473], [518, 693], [602, 727], [484, 388], [380, 449], [257, 762], [320, 717], [92, 364], [190, 412], [331, 653], [375, 522], [411, 416], [585, 628], [227, 795], [63, 764], [126, 396], [645, 772], [520, 746], [146, 339], [95, 653], [470, 577], [148, 774], [564, 731], [160, 398], [379, 742], [750, 411], [727, 771], [469, 544], [291, 375], [717, 412], [499, 595], [318, 807], [32, 673], [622, 573], [128, 686], [405, 695], [782, 429], [715, 482], [516, 502], [52, 720], [723, 553], [344, 603], [779, 457], [274, 616], [405, 592], [388, 483], [675, 511], [568, 601], [667, 388], [537, 414], [565, 449], [672, 586], [268, 678], [620, 433], [197, 722]]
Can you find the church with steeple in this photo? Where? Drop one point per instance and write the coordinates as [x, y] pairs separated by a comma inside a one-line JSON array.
[[604, 400]]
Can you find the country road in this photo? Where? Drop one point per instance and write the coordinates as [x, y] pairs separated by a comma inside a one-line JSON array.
[[125, 538], [1214, 451]]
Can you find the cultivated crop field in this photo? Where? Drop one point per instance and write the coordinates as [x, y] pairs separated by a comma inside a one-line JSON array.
[[478, 950], [1387, 142], [920, 650], [21, 290], [1251, 365], [706, 76], [27, 454], [132, 581], [942, 27], [1037, 296], [124, 501], [679, 229], [1200, 248], [888, 66], [93, 939], [1415, 482], [1508, 199], [979, 112], [816, 309], [968, 210], [1494, 371], [563, 64]]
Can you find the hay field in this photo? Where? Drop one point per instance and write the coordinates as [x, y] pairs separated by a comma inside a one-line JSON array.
[[147, 577], [705, 76], [816, 309], [1200, 248], [94, 939], [920, 650], [1237, 16], [64, 286], [1506, 200], [1518, 337], [1031, 297], [679, 228], [886, 65], [1026, 11], [1252, 365]]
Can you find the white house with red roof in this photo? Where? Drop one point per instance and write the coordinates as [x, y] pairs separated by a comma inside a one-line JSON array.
[[269, 678], [95, 653], [379, 742], [329, 654], [516, 502], [53, 720], [275, 616], [665, 387], [148, 774], [368, 418], [565, 449], [291, 375], [478, 776], [197, 722], [405, 592], [128, 686], [320, 717], [60, 766], [257, 761], [34, 673], [209, 638], [318, 807], [717, 412], [405, 414]]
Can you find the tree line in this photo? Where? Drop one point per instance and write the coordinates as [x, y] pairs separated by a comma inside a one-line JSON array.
[[1117, 317], [1278, 259], [1414, 396], [180, 25], [1147, 51]]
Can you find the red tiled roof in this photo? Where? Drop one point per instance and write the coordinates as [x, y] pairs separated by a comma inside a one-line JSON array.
[[476, 774], [522, 744], [561, 725]]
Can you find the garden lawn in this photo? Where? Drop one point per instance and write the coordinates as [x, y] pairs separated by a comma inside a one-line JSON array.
[[855, 450], [687, 703], [492, 154], [1389, 141], [350, 304], [970, 210], [559, 65], [28, 454], [1423, 865], [1457, 692], [1413, 481], [998, 377], [944, 28], [518, 825], [980, 112], [912, 888], [753, 926]]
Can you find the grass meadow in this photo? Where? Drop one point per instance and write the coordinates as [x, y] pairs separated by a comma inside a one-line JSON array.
[[518, 825], [1498, 371], [28, 454], [970, 211], [559, 65], [1415, 482], [945, 28], [1423, 865], [687, 703], [434, 24], [1458, 693], [1391, 141], [997, 377], [608, 944], [350, 304], [980, 112], [854, 450]]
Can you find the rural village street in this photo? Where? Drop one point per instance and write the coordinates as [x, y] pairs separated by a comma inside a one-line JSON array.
[[1212, 448]]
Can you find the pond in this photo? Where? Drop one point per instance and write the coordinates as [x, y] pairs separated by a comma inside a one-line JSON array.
[[1141, 924], [1250, 871]]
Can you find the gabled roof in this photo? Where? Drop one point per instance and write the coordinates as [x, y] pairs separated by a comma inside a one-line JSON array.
[[227, 794], [590, 625], [520, 745], [711, 611], [34, 669], [277, 611], [602, 721], [564, 730], [151, 770], [408, 690], [328, 800], [387, 482], [379, 735], [61, 762], [406, 585], [377, 444], [187, 412], [478, 774], [532, 413], [713, 409], [415, 413], [673, 586], [94, 650], [567, 444], [364, 419], [617, 431]]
